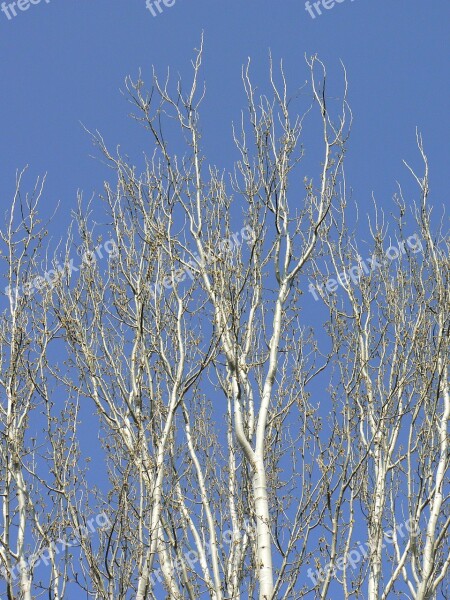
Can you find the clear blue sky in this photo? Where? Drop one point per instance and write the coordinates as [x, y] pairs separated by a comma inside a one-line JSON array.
[[64, 62]]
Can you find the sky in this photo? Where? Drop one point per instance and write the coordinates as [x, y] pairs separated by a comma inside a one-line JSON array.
[[65, 62]]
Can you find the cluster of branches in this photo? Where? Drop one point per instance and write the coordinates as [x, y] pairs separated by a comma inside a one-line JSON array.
[[242, 447]]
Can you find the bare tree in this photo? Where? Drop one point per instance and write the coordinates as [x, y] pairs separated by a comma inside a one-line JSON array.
[[29, 524], [391, 337], [240, 444]]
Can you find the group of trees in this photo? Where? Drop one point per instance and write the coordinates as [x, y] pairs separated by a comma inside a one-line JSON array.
[[247, 451]]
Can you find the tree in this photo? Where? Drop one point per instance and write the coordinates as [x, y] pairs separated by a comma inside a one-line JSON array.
[[29, 521], [227, 472]]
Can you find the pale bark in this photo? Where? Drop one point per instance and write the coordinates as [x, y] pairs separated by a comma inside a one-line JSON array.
[[243, 448]]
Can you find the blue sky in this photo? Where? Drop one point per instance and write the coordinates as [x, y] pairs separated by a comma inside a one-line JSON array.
[[65, 62]]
